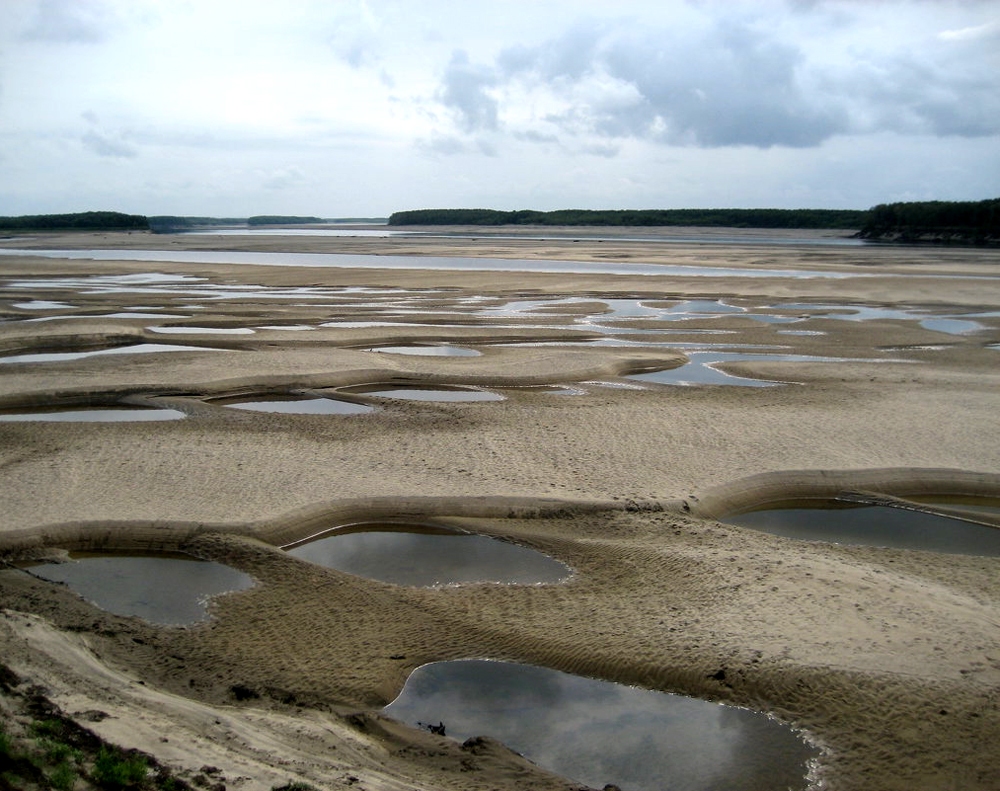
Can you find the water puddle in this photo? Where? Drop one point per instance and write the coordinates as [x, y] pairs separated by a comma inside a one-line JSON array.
[[432, 350], [293, 405], [951, 326], [41, 304], [597, 732], [879, 525], [170, 590], [135, 348], [428, 556], [701, 369], [427, 393], [946, 324], [93, 415], [202, 330]]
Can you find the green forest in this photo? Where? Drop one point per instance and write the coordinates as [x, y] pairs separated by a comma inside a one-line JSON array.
[[278, 219], [703, 218], [82, 221], [943, 222]]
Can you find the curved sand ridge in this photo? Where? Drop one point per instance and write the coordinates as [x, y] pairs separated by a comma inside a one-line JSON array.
[[888, 659]]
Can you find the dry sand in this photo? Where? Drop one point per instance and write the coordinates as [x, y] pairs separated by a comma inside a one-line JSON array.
[[889, 660]]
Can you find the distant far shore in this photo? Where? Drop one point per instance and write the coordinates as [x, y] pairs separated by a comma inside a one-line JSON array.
[[936, 222]]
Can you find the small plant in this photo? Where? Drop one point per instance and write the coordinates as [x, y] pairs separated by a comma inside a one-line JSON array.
[[63, 777], [5, 744], [293, 785], [50, 727], [57, 752], [115, 769]]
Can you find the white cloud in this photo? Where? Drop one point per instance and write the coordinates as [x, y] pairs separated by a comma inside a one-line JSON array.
[[364, 106]]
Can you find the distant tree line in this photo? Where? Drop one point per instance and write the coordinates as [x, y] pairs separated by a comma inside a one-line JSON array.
[[169, 223], [166, 223], [705, 218], [81, 221], [277, 219], [963, 222]]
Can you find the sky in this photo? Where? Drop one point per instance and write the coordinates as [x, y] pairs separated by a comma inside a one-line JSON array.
[[358, 108]]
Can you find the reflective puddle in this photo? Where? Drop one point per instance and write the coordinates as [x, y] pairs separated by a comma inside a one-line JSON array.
[[429, 556], [878, 525], [701, 369], [136, 348], [428, 393], [95, 415], [597, 732], [177, 330], [291, 405], [432, 350], [170, 590]]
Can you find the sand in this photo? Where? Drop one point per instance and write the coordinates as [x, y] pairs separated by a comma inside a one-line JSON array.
[[888, 660]]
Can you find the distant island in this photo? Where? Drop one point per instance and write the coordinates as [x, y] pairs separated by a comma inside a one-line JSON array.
[[82, 221], [701, 218], [941, 222]]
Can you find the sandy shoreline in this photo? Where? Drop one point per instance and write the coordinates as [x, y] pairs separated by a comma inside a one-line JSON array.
[[887, 659]]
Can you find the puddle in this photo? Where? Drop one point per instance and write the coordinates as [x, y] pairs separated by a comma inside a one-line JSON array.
[[597, 732], [429, 394], [945, 324], [170, 590], [880, 526], [291, 405], [41, 304], [435, 350], [699, 371], [294, 327], [119, 315], [94, 415], [951, 326], [202, 330], [135, 348], [429, 556]]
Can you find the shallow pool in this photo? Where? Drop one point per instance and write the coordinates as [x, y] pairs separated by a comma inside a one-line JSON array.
[[169, 590], [879, 525], [429, 556], [597, 732], [292, 405]]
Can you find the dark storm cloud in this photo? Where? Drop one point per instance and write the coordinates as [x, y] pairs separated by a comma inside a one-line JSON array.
[[733, 83], [729, 85], [465, 91]]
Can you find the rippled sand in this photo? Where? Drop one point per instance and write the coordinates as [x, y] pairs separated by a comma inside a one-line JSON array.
[[887, 659]]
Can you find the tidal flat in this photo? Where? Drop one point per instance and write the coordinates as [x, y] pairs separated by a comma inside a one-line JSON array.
[[883, 380]]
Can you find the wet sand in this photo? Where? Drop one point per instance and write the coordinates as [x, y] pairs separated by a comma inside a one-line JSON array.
[[889, 660]]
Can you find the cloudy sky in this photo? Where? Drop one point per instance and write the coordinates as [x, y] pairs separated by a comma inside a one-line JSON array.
[[363, 107]]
